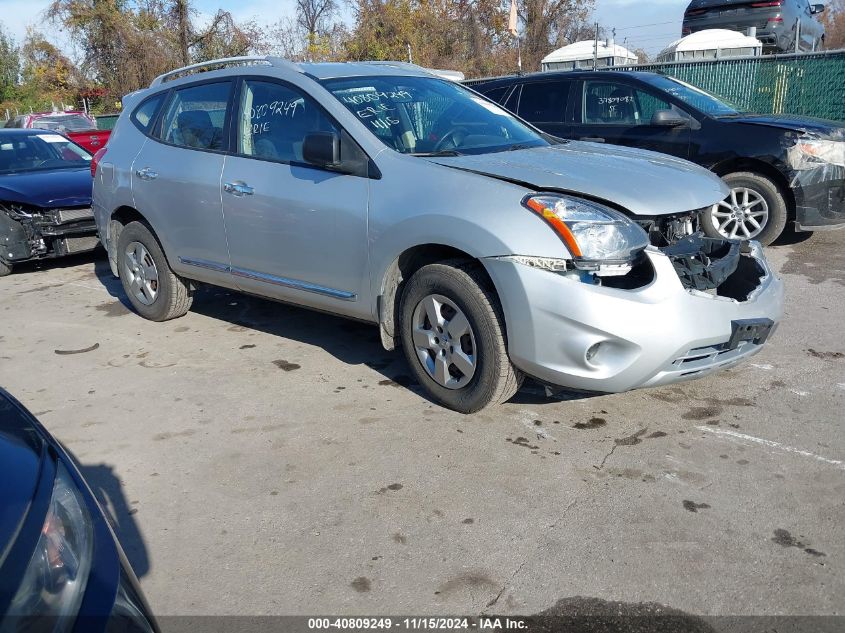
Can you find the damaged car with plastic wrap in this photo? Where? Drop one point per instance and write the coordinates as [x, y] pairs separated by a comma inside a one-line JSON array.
[[486, 249], [45, 198]]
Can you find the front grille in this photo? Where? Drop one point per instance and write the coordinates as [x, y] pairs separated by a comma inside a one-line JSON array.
[[73, 215], [80, 244]]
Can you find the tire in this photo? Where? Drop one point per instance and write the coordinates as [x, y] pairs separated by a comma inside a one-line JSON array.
[[765, 196], [170, 296], [5, 269], [457, 286]]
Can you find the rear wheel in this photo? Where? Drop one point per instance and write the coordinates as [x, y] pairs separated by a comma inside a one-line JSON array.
[[154, 290], [754, 209], [453, 334]]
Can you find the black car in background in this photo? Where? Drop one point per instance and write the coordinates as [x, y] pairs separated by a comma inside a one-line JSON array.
[[61, 567], [780, 168], [778, 22]]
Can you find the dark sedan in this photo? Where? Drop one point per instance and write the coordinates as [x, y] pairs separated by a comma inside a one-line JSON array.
[[61, 567], [781, 169], [45, 197]]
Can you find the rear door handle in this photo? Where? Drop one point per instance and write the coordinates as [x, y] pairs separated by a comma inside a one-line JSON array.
[[146, 174], [592, 139], [238, 189]]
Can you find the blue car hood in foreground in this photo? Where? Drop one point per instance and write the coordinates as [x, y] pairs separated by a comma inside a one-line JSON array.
[[645, 183], [48, 189], [21, 453]]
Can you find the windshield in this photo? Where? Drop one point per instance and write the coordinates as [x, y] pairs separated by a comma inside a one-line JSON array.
[[695, 97], [425, 115], [36, 152], [69, 122]]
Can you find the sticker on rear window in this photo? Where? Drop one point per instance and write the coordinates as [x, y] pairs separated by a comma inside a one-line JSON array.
[[52, 138]]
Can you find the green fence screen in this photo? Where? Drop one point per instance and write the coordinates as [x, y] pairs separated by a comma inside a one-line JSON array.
[[809, 84]]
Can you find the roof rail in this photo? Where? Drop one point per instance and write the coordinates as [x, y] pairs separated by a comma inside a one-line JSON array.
[[226, 62]]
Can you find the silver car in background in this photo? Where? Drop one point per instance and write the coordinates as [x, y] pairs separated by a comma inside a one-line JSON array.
[[485, 249]]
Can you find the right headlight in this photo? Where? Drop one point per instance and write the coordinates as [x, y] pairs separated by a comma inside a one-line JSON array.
[[597, 237], [54, 583]]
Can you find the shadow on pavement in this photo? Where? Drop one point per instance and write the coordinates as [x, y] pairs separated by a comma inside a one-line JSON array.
[[108, 489], [351, 342]]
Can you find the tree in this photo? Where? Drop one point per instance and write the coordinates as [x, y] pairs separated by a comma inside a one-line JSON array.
[[10, 64], [834, 23], [546, 21], [48, 75]]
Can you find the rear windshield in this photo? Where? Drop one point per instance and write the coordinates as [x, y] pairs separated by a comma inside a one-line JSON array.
[[69, 122], [38, 152], [696, 97], [425, 115]]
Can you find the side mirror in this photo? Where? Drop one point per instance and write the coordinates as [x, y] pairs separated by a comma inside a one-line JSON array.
[[321, 149], [815, 9], [668, 118]]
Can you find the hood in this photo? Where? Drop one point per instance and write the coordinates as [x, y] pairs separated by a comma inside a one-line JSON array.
[[48, 189], [645, 183], [21, 451], [821, 128]]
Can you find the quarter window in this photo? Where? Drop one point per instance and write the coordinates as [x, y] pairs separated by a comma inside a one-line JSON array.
[[145, 113], [544, 102], [196, 116], [274, 120], [616, 103]]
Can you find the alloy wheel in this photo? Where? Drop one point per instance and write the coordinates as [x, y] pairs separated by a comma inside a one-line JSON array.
[[742, 215], [141, 273], [444, 341]]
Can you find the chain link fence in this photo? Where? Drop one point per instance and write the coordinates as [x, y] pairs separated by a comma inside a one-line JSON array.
[[811, 84]]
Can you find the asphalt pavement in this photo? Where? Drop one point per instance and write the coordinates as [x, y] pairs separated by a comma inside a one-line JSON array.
[[262, 459]]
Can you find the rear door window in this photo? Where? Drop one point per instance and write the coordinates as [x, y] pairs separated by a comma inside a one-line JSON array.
[[196, 116], [496, 94], [544, 101]]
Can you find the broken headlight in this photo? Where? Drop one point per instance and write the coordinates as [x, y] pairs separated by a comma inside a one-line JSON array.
[[822, 151], [54, 583], [599, 239]]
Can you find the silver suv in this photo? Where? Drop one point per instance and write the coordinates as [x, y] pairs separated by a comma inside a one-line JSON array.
[[378, 191]]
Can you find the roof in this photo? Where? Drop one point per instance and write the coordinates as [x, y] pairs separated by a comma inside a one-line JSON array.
[[553, 74], [333, 70], [584, 50], [711, 39]]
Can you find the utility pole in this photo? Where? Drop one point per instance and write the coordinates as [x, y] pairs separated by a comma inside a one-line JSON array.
[[797, 33], [596, 48], [410, 57]]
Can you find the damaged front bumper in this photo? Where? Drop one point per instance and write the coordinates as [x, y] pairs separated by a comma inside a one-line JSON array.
[[590, 337], [28, 233], [818, 183]]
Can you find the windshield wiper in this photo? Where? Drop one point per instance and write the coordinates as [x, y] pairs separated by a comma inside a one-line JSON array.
[[444, 152]]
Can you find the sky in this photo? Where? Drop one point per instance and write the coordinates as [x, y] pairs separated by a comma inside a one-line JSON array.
[[649, 25]]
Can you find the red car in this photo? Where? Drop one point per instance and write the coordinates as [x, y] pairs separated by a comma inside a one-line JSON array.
[[79, 127]]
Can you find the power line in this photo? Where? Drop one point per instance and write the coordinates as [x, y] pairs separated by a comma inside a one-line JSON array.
[[640, 26]]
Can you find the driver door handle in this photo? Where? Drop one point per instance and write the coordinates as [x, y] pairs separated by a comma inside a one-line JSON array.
[[592, 139], [146, 174], [238, 189]]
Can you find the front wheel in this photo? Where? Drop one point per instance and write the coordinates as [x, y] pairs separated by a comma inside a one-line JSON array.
[[5, 269], [453, 334], [754, 210], [155, 291]]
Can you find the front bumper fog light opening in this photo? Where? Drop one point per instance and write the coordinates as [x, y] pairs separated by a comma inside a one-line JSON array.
[[591, 353]]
